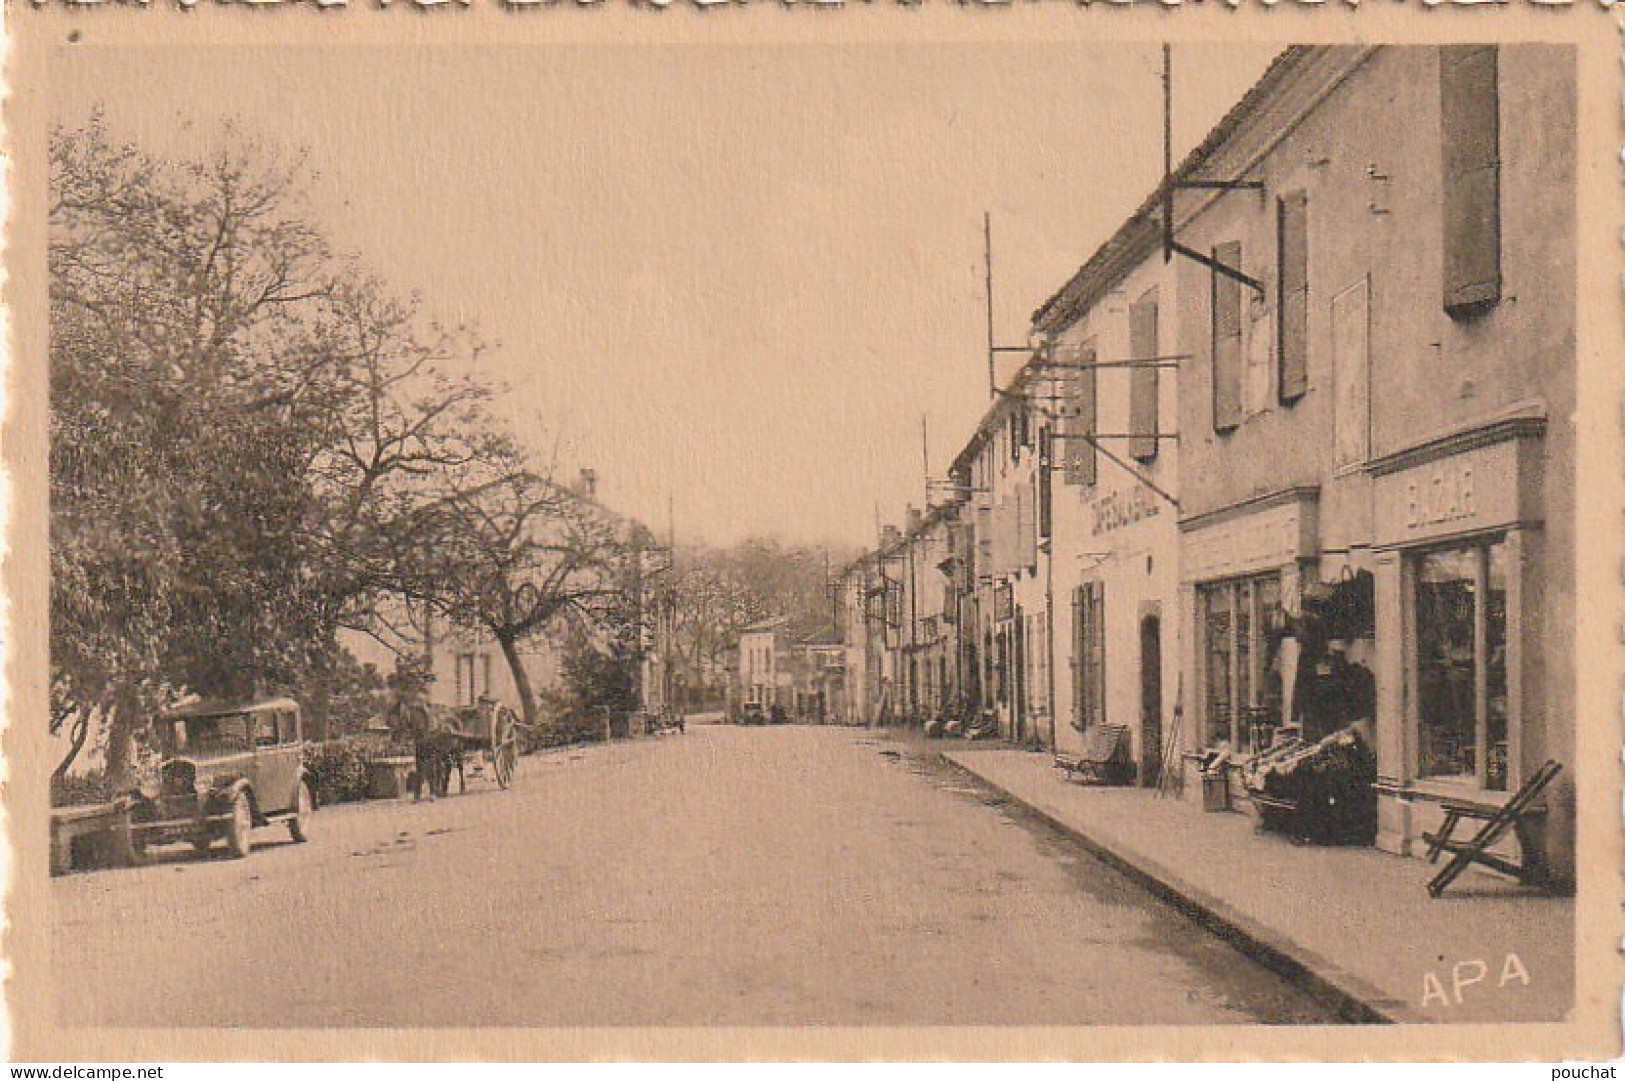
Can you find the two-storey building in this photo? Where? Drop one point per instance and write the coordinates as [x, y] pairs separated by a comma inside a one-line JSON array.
[[1378, 410]]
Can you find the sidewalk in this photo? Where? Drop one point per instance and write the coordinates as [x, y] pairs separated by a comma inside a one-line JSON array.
[[1355, 924]]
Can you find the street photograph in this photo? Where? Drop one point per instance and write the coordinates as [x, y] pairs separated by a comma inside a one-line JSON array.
[[837, 537]]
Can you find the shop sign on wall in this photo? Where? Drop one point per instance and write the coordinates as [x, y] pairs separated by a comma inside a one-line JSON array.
[[1461, 493], [1274, 537], [1123, 507]]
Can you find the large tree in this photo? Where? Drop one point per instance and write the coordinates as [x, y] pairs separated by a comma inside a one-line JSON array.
[[174, 425], [516, 556], [244, 431]]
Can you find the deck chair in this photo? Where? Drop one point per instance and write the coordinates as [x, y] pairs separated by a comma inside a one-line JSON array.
[[1496, 821], [1103, 759]]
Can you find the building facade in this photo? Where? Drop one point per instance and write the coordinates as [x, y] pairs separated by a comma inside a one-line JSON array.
[[1294, 451], [1387, 414], [764, 676], [1005, 474], [1112, 392]]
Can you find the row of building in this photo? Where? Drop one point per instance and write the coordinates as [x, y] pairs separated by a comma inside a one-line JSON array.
[[1295, 447]]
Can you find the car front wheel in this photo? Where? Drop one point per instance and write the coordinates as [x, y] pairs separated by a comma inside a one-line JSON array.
[[299, 824], [240, 826]]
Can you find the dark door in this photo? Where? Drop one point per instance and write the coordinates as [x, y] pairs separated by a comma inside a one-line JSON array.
[[1018, 704], [1150, 699]]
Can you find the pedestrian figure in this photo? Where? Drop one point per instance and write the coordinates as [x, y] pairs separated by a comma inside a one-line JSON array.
[[411, 719]]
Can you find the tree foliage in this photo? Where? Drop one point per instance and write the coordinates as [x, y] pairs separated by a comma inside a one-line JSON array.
[[245, 432], [514, 554], [721, 590]]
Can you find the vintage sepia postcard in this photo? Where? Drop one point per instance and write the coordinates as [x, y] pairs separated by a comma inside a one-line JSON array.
[[790, 531]]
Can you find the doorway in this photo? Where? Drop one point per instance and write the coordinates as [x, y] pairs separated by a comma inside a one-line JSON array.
[[1150, 699], [1018, 664]]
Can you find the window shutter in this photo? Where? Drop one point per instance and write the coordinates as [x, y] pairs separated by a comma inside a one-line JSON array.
[[1045, 451], [1069, 387], [1078, 414], [1088, 465], [1026, 519], [1098, 618], [1079, 667], [1292, 310], [1470, 148], [1142, 336], [1226, 340]]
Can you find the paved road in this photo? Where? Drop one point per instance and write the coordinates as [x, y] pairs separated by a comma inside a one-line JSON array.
[[738, 876]]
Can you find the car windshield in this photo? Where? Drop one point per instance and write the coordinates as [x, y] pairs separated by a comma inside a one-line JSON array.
[[219, 732]]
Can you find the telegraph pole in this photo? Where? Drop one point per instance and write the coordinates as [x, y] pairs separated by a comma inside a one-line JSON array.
[[925, 461], [1167, 151], [987, 251]]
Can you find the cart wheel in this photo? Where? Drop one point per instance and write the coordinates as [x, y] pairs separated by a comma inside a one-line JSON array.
[[502, 763]]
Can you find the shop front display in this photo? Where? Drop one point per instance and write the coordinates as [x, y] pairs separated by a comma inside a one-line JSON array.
[[1243, 568], [1462, 570]]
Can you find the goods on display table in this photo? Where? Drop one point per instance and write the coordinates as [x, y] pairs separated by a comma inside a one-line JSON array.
[[1318, 792]]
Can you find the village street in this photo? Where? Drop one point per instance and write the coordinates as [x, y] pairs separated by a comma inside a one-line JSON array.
[[763, 875]]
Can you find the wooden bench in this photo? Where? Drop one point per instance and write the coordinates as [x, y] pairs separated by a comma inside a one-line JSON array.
[[1519, 813], [1104, 758]]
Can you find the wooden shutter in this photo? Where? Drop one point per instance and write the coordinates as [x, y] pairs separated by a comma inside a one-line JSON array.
[[1142, 338], [1092, 638], [1079, 649], [1292, 308], [1227, 357], [1078, 414], [1045, 502], [1027, 522], [1088, 464], [1470, 148]]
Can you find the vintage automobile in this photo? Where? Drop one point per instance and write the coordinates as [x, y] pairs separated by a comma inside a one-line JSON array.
[[225, 769]]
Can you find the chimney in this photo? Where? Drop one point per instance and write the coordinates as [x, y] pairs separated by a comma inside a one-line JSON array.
[[587, 486], [915, 516], [888, 536]]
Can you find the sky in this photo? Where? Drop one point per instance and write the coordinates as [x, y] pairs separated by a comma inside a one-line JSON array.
[[731, 279]]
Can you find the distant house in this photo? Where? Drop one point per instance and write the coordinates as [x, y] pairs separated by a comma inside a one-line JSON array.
[[818, 681], [466, 665], [764, 675]]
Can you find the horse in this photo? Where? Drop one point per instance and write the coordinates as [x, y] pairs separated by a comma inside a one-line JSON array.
[[436, 752]]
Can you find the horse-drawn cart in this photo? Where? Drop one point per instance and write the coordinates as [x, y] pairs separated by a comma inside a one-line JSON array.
[[444, 737]]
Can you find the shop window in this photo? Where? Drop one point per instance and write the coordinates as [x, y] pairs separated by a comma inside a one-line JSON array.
[[1227, 356], [1239, 623], [1292, 307], [1461, 665], [1143, 378], [1089, 655], [1470, 150]]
